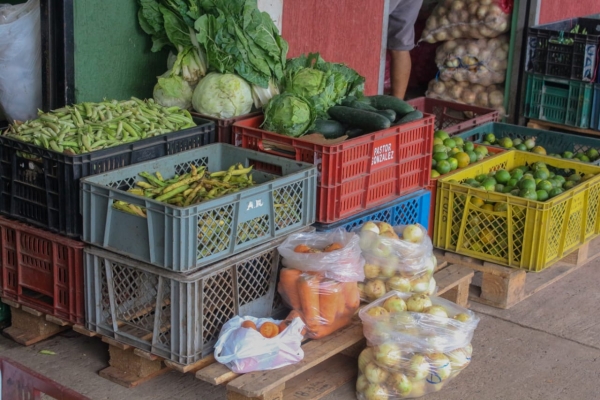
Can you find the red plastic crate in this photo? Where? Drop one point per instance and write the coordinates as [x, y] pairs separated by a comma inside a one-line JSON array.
[[20, 382], [454, 117], [224, 127], [42, 270], [359, 173], [433, 189]]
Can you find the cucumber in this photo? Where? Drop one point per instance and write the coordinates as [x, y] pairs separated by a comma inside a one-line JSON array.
[[330, 129], [354, 132], [389, 114], [366, 120], [411, 116], [361, 106], [383, 102]]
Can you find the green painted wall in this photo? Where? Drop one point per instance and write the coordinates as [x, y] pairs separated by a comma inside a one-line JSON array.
[[112, 53]]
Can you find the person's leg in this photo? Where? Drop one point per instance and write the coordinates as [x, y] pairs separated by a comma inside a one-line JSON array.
[[401, 40], [400, 72]]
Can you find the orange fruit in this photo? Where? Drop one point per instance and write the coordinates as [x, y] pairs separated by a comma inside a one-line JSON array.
[[269, 330], [249, 325], [463, 159], [302, 248], [333, 247]]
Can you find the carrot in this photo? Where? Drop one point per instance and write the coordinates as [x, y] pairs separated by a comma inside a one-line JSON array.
[[308, 290], [351, 295], [325, 330], [330, 297], [288, 286]]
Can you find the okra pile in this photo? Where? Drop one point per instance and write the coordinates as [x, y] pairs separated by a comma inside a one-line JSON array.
[[87, 127]]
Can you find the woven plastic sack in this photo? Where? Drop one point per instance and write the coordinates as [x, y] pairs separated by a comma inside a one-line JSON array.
[[412, 353], [470, 19], [20, 60], [245, 350], [394, 263], [477, 61]]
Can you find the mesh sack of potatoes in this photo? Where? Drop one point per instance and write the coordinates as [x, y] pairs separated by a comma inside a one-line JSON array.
[[468, 93], [416, 344], [396, 258], [470, 19]]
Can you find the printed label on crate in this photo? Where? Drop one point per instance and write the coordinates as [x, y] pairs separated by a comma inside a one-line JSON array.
[[589, 62], [384, 152]]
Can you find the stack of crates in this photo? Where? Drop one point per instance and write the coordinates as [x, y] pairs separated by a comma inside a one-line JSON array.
[[167, 281], [562, 72], [41, 225]]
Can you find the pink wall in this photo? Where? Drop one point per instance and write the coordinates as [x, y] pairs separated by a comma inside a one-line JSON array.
[[556, 10]]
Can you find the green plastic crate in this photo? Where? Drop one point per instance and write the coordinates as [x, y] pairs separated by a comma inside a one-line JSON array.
[[183, 239], [562, 101], [553, 142]]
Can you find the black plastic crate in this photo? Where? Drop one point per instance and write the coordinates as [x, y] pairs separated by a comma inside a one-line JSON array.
[[576, 59], [45, 191]]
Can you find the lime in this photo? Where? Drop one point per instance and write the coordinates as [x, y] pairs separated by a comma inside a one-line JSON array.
[[472, 155], [506, 142], [486, 143], [508, 189], [552, 174], [517, 141], [443, 167], [454, 150], [499, 188], [530, 143], [501, 206], [433, 163], [515, 192], [567, 154], [560, 179], [541, 173], [463, 159], [481, 150], [512, 182], [592, 154], [555, 192], [529, 194], [502, 176], [476, 201], [569, 185], [574, 178], [538, 150], [516, 174], [488, 207], [439, 156], [453, 163], [489, 137], [538, 165], [527, 175], [481, 177], [521, 147], [470, 181], [586, 177], [434, 174], [449, 143], [527, 184], [459, 141], [542, 195], [441, 135], [469, 146], [544, 185], [489, 184], [439, 148]]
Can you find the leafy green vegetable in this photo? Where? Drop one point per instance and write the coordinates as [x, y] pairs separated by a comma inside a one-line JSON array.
[[172, 90], [324, 84], [289, 115], [222, 96]]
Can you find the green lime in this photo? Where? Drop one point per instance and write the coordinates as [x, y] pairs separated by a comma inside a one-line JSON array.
[[516, 174], [544, 185], [453, 163], [434, 174], [541, 173], [502, 176], [569, 185], [441, 135], [433, 163], [459, 141], [529, 194], [560, 179], [489, 184], [469, 146], [499, 188], [542, 195], [489, 137], [506, 142], [500, 206], [515, 192], [574, 178], [481, 177], [472, 155], [449, 143], [538, 165], [586, 177], [567, 154], [443, 167], [439, 148], [481, 150], [512, 182], [521, 147], [555, 192], [517, 141], [592, 154], [527, 184], [439, 156], [470, 181], [508, 189]]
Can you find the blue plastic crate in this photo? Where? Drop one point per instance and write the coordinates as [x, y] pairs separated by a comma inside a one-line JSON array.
[[409, 209], [553, 142], [595, 119]]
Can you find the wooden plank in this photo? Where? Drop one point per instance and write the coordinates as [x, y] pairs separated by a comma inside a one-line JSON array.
[[322, 379], [128, 369], [216, 374], [146, 355], [258, 383], [115, 343], [126, 378], [206, 361], [452, 276], [275, 394], [537, 124], [57, 321], [32, 311], [28, 329], [80, 329], [11, 303]]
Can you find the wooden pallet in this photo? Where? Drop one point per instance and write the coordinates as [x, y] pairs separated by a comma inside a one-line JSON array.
[[550, 126], [29, 326], [503, 287]]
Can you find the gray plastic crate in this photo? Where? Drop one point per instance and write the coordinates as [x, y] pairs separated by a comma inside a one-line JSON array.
[[177, 316], [170, 237]]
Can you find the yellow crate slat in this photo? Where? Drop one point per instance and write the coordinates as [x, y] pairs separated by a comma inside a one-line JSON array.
[[530, 234]]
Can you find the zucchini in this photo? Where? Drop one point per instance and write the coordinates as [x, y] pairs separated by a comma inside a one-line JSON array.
[[330, 129], [366, 120], [383, 102], [389, 114], [411, 116]]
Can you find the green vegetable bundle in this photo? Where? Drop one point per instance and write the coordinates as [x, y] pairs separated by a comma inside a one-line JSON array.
[[88, 127]]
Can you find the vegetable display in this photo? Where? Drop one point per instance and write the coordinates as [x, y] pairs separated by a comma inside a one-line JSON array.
[[416, 345], [398, 258], [87, 127], [471, 19], [319, 279], [482, 61]]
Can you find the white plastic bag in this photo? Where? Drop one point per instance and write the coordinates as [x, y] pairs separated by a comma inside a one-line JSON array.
[[20, 60], [245, 350]]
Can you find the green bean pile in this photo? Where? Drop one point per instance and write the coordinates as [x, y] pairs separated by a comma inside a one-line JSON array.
[[87, 127]]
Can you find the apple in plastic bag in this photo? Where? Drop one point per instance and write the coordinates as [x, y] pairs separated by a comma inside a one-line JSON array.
[[375, 373], [388, 354]]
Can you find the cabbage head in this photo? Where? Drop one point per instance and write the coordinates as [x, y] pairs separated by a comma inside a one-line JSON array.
[[289, 115], [222, 96], [172, 90]]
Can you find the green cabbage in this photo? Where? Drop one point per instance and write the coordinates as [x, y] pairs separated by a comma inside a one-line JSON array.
[[222, 96], [289, 115], [173, 90]]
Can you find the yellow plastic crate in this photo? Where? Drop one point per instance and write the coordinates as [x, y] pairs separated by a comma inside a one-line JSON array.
[[530, 235]]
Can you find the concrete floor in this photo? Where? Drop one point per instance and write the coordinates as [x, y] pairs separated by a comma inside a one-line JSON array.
[[547, 347]]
